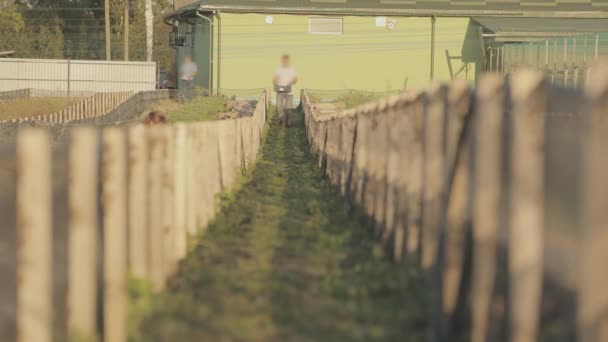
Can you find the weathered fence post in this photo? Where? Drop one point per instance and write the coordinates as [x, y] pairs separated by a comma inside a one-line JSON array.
[[458, 200], [168, 169], [115, 234], [34, 231], [433, 187], [489, 108], [593, 277], [155, 209], [414, 174], [83, 241], [526, 206], [179, 194], [138, 191]]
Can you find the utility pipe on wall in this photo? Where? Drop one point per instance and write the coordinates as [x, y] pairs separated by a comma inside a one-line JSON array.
[[219, 52], [211, 64]]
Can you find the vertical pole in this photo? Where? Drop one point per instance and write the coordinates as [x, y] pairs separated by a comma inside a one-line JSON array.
[[526, 204], [585, 51], [574, 56], [34, 232], [597, 45], [491, 59], [546, 53], [565, 51], [126, 20], [69, 76], [108, 37], [149, 30], [433, 20], [115, 234], [82, 256]]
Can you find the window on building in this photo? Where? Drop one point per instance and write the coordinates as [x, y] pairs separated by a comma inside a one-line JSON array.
[[325, 25]]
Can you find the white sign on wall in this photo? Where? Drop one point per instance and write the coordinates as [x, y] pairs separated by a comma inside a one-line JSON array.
[[381, 21], [269, 20]]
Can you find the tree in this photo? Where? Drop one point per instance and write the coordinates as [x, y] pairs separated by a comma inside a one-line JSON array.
[[11, 24]]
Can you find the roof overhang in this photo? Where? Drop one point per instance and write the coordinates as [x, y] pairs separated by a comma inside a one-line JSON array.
[[418, 8]]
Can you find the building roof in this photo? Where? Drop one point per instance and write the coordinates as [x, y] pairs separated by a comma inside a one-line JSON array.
[[528, 8], [543, 25]]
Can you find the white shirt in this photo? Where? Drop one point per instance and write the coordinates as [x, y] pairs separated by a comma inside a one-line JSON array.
[[285, 76]]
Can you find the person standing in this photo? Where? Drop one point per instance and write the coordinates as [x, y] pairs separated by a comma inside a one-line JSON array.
[[284, 78], [188, 72]]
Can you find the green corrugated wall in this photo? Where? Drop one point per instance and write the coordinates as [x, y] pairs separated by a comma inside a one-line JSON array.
[[365, 57]]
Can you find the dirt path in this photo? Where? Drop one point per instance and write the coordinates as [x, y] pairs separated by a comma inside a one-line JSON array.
[[284, 263]]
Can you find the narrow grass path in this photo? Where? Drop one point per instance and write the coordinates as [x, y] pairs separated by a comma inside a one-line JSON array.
[[283, 262]]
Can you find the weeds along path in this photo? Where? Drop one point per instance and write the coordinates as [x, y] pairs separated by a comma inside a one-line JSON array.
[[283, 262]]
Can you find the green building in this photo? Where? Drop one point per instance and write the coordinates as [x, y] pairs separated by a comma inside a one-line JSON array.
[[376, 45]]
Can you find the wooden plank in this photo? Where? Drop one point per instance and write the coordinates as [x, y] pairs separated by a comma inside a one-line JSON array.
[[489, 104], [593, 277], [34, 232], [115, 235], [137, 189], [179, 192], [168, 228], [458, 198], [526, 206], [414, 175], [154, 211], [83, 233], [434, 164]]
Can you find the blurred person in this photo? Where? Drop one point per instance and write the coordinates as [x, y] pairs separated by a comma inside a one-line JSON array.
[[284, 78], [188, 72]]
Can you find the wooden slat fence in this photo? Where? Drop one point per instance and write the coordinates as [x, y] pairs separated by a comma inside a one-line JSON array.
[[108, 203], [87, 107], [498, 194]]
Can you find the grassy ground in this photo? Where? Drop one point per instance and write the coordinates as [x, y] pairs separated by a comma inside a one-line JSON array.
[[199, 109], [283, 262], [32, 106]]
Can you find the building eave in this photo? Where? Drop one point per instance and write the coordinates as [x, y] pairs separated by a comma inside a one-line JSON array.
[[401, 12]]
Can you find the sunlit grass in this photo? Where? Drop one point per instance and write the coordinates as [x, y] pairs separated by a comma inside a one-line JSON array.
[[204, 108], [33, 106]]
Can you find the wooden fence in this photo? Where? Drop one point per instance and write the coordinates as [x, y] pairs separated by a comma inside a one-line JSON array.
[[498, 194], [14, 94], [127, 199], [87, 107]]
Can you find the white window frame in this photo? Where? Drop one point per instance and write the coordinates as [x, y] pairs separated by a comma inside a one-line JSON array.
[[310, 31]]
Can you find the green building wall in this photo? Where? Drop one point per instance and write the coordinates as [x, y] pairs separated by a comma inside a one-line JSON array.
[[364, 57]]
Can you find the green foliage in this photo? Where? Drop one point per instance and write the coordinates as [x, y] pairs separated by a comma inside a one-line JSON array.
[[75, 29], [203, 108], [284, 262], [140, 301], [11, 24]]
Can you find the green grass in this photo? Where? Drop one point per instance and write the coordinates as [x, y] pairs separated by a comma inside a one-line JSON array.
[[355, 98], [32, 106], [199, 109], [284, 262]]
